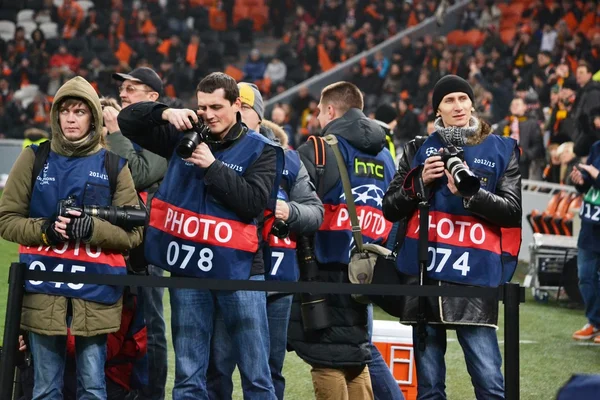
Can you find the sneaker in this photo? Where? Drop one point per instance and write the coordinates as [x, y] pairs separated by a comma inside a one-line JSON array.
[[586, 333], [597, 340]]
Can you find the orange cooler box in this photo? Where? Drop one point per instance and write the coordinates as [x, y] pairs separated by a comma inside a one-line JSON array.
[[394, 342]]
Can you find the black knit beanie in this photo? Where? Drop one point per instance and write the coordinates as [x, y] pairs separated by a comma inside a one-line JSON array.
[[450, 84]]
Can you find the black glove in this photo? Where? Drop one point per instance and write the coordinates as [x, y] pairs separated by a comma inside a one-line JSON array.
[[80, 227], [50, 236]]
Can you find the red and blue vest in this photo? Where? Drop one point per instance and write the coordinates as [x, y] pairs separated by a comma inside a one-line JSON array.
[[86, 179], [281, 263], [463, 247], [193, 234], [370, 176]]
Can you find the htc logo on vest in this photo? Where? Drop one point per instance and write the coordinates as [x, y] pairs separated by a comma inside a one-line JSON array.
[[368, 168]]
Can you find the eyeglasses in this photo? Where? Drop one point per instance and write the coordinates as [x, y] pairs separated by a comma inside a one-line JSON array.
[[131, 89]]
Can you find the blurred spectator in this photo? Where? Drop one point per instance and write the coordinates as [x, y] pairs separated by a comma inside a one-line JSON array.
[[255, 67], [381, 64], [470, 17], [280, 117], [587, 99], [528, 135], [276, 71], [490, 16], [64, 59], [407, 125]]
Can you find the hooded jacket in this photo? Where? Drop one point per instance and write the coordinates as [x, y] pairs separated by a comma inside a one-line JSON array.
[[47, 314], [346, 342]]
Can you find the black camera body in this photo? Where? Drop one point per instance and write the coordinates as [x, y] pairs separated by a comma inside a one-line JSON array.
[[464, 180], [191, 139], [126, 217], [313, 307]]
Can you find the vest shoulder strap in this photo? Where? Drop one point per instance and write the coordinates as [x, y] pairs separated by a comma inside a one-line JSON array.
[[320, 160], [111, 163], [40, 159]]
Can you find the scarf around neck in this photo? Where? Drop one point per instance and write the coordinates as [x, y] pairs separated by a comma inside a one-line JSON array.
[[457, 135]]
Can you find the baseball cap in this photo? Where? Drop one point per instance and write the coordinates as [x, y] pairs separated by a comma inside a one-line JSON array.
[[144, 75], [250, 95]]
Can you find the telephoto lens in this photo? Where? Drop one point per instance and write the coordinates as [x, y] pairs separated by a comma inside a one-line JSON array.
[[465, 181], [126, 217], [313, 307]]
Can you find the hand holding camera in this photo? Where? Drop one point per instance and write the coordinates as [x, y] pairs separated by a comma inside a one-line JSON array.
[[449, 160], [182, 119], [77, 226], [109, 116], [201, 156], [432, 170], [282, 210]]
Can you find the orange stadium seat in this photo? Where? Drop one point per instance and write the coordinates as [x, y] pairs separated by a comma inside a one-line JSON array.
[[455, 38], [217, 19], [536, 216], [474, 38], [234, 72], [507, 35]]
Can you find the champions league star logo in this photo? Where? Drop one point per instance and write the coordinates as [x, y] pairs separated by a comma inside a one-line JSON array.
[[430, 151], [364, 193]]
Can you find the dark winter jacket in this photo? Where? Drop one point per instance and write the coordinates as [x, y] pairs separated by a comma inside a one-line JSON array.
[[346, 342]]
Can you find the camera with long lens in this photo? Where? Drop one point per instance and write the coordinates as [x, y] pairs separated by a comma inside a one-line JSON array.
[[191, 139], [313, 307], [464, 180], [280, 228], [126, 217]]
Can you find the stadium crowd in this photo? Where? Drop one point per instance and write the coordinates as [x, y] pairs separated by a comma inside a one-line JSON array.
[[43, 43]]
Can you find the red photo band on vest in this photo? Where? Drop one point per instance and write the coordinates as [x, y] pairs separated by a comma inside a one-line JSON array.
[[458, 230], [371, 219], [185, 224], [77, 252]]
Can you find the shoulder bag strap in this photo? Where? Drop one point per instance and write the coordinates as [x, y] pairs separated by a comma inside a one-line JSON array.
[[356, 231]]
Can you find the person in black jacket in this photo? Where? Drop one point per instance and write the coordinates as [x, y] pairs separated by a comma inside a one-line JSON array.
[[496, 205], [235, 173], [340, 353]]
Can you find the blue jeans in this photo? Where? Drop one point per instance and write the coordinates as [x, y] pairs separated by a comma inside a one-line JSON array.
[[588, 269], [49, 352], [244, 317], [385, 386], [482, 356], [152, 299], [278, 311], [222, 360]]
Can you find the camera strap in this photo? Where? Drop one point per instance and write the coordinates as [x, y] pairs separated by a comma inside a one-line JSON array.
[[356, 231], [320, 158]]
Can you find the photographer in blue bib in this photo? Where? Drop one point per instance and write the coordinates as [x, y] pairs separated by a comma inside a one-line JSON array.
[[585, 178], [206, 221], [472, 182], [68, 239], [299, 211], [331, 332]]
